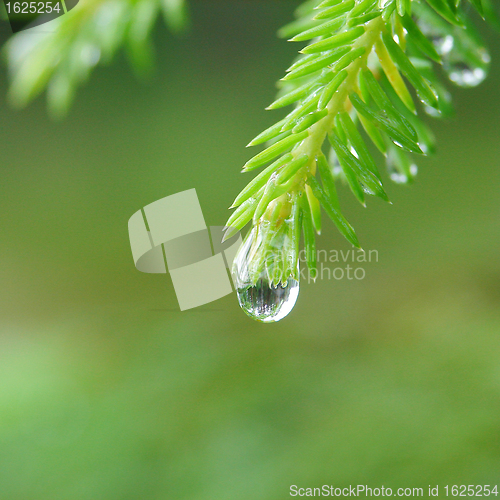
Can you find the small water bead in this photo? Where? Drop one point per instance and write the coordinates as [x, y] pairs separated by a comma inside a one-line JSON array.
[[267, 303], [465, 59], [337, 171], [465, 66], [443, 44], [464, 75], [399, 178], [367, 190], [467, 71], [400, 168], [262, 301], [435, 113], [445, 103]]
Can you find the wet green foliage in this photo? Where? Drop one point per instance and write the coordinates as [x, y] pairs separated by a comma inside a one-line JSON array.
[[368, 69]]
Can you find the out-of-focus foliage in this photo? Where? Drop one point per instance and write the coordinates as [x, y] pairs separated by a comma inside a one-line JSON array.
[[109, 392], [61, 55]]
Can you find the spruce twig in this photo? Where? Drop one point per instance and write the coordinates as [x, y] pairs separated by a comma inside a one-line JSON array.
[[353, 74]]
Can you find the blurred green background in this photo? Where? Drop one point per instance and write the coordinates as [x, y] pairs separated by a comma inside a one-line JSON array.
[[108, 391]]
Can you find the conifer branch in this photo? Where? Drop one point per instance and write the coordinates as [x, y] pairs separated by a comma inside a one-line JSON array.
[[350, 82], [62, 54]]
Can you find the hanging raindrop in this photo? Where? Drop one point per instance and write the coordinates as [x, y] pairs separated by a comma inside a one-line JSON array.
[[465, 59], [262, 301], [400, 168], [443, 44], [466, 74]]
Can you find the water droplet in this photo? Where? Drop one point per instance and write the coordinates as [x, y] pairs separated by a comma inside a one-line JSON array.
[[367, 190], [445, 104], [267, 303], [337, 172], [466, 70], [465, 59], [443, 44], [262, 301], [464, 75], [399, 167], [399, 178], [435, 113]]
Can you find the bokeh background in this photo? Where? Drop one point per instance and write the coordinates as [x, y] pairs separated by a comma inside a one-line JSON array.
[[108, 391]]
